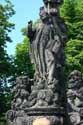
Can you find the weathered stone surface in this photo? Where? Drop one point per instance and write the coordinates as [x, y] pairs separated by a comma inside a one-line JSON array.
[[21, 92], [47, 50], [45, 95], [75, 97]]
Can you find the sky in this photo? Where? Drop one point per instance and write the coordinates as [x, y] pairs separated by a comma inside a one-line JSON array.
[[25, 10]]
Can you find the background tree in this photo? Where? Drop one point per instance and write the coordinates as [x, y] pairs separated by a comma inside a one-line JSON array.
[[6, 11], [72, 12], [22, 59]]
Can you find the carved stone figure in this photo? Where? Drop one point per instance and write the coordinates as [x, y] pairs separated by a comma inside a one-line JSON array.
[[46, 96], [47, 43], [21, 92], [75, 97]]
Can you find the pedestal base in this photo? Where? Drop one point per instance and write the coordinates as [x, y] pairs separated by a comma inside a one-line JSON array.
[[55, 116]]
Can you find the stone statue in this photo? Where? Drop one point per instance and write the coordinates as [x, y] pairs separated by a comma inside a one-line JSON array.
[[21, 93], [75, 97], [46, 96], [47, 42]]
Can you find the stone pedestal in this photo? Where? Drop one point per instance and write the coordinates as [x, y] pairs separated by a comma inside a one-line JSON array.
[[50, 116]]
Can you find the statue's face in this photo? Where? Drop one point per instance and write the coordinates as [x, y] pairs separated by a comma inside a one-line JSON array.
[[43, 14]]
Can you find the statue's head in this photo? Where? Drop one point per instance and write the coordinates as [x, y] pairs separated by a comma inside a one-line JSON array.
[[52, 6], [53, 1], [43, 14], [75, 79]]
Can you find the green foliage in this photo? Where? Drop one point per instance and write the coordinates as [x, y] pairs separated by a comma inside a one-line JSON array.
[[72, 12], [74, 53], [6, 12], [22, 59], [77, 31], [3, 121], [68, 10], [79, 10]]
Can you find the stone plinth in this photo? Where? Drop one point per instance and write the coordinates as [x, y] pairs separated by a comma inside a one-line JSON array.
[[37, 116]]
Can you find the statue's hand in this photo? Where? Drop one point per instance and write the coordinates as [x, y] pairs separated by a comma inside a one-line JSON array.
[[30, 24]]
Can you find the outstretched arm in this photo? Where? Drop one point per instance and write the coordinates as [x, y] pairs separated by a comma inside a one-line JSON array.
[[30, 31]]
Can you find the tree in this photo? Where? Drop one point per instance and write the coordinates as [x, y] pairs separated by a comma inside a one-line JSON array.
[[68, 10], [22, 59], [6, 11], [72, 12], [74, 53]]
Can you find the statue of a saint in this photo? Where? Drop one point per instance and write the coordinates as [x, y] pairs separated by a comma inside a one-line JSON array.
[[47, 42]]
